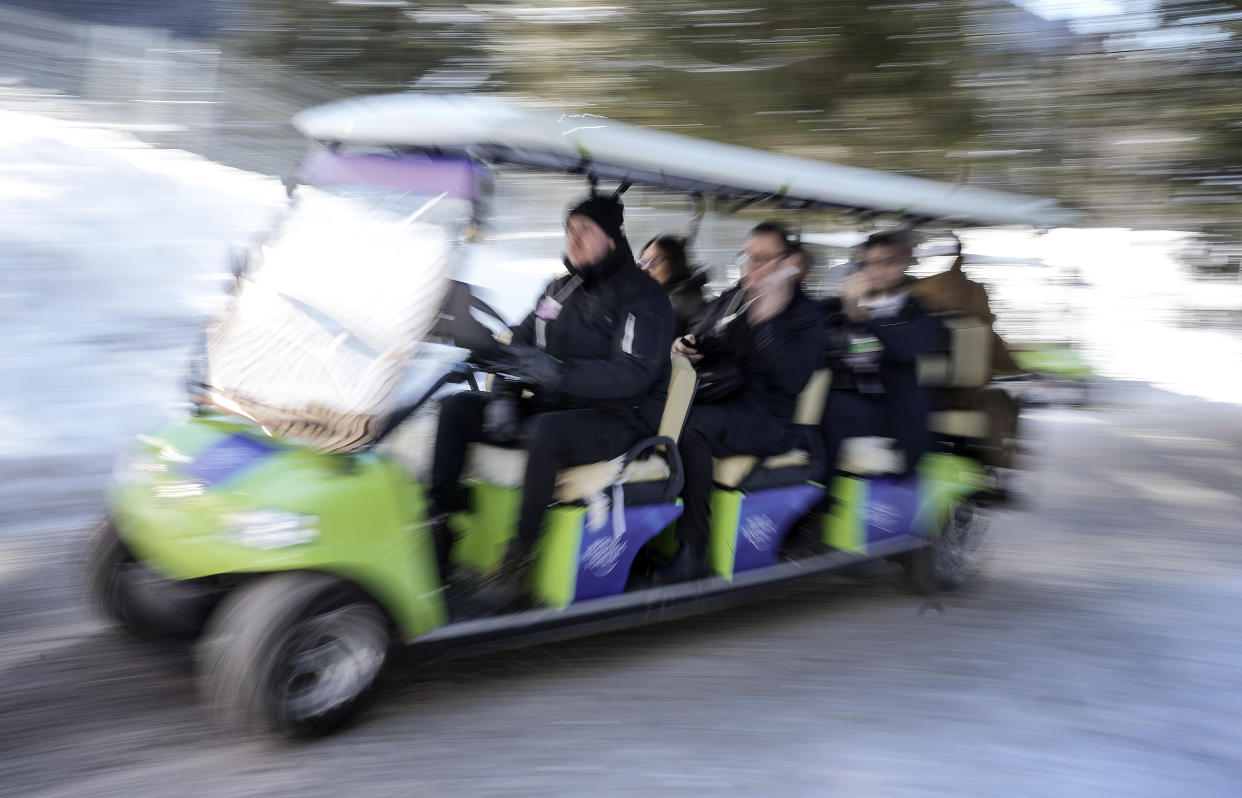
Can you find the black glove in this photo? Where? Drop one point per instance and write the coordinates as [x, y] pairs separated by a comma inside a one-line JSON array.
[[534, 366]]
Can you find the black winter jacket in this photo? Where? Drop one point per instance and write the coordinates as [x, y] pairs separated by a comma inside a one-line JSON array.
[[612, 338], [902, 402], [907, 335], [777, 359]]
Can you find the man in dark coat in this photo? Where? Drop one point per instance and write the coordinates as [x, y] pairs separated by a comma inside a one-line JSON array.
[[877, 333], [775, 336], [594, 352]]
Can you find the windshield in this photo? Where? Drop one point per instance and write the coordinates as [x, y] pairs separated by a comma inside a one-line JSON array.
[[323, 325]]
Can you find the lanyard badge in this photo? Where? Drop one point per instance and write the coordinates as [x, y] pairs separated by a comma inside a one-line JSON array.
[[548, 308]]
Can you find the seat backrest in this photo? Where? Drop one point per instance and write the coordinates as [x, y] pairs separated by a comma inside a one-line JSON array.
[[970, 352], [814, 397], [682, 381], [968, 361]]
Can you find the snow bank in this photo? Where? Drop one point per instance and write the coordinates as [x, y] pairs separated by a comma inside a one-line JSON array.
[[112, 253]]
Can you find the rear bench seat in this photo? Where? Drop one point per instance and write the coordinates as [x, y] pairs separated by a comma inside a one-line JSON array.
[[965, 367], [748, 472]]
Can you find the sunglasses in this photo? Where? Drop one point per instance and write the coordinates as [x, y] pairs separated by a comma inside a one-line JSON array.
[[647, 263]]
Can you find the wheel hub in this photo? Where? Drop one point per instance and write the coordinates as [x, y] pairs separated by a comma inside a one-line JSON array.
[[333, 657]]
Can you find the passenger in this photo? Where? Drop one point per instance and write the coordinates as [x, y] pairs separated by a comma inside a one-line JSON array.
[[775, 336], [877, 331], [594, 352], [951, 291], [664, 258]]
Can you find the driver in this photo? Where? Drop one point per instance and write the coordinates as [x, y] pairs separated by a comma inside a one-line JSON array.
[[595, 355]]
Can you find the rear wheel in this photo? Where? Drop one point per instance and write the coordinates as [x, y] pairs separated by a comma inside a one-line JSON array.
[[952, 559], [136, 599], [293, 654]]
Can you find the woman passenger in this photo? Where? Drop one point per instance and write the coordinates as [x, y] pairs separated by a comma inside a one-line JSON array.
[[664, 258]]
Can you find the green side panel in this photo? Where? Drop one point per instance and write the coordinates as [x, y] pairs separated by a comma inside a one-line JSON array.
[[492, 522], [844, 527], [370, 518], [488, 527], [945, 480], [1060, 361], [722, 540], [554, 577]]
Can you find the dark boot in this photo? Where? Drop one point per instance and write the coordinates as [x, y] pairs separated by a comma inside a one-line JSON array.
[[687, 566], [505, 590], [806, 538], [443, 536]]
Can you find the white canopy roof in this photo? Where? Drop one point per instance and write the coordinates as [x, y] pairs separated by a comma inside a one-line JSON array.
[[495, 130]]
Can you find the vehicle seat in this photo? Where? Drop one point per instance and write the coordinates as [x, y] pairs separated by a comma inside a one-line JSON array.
[[413, 442], [748, 472], [964, 368], [507, 467], [871, 456]]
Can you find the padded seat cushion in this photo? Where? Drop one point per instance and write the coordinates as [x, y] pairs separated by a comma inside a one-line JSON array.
[[960, 423], [870, 456], [794, 458], [507, 468], [413, 443], [731, 472]]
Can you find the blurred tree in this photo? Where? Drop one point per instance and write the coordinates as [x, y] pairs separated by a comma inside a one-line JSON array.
[[1142, 126], [1203, 43]]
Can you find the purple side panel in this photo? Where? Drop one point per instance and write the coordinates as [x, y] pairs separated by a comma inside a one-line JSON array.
[[227, 458], [420, 174], [766, 518], [604, 559], [891, 505]]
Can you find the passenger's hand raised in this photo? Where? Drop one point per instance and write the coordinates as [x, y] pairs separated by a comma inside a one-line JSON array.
[[775, 289], [854, 288]]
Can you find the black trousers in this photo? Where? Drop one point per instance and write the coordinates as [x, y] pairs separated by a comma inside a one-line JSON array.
[[850, 414], [720, 430], [556, 439]]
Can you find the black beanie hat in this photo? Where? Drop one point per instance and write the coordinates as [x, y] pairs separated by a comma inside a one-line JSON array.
[[607, 212]]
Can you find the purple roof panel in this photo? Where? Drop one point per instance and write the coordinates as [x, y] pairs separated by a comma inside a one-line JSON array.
[[422, 174]]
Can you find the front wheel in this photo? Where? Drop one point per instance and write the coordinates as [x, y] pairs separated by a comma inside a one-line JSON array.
[[293, 655], [952, 559], [137, 600]]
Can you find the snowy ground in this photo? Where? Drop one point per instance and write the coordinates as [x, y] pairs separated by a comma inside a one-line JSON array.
[[1101, 655], [113, 254]]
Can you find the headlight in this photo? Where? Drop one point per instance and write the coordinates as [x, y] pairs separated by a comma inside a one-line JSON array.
[[271, 529], [136, 465]]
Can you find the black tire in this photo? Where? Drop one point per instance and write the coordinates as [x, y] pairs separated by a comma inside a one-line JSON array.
[[292, 655], [953, 559], [135, 599]]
